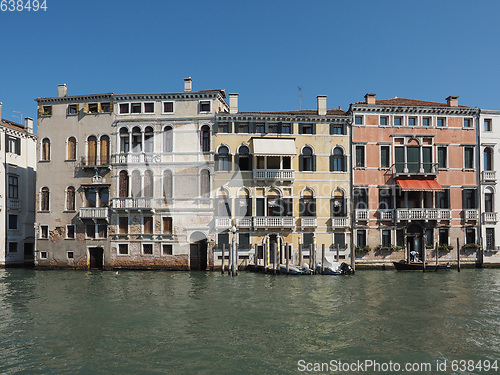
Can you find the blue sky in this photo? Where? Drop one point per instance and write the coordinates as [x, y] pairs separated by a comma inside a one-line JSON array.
[[263, 50]]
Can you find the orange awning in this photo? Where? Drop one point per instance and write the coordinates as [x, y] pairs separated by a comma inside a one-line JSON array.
[[420, 185]]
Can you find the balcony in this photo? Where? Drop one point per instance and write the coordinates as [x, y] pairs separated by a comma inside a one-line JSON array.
[[133, 203], [386, 215], [471, 214], [273, 174], [273, 222], [489, 176], [223, 222], [340, 222], [422, 214], [92, 163], [415, 169], [361, 214], [14, 204], [245, 222], [136, 158], [308, 222], [94, 213], [490, 217]]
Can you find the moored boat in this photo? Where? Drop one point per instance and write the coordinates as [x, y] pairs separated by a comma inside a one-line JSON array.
[[419, 266]]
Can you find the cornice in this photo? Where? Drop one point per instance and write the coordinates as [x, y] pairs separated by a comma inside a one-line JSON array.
[[364, 108], [262, 117]]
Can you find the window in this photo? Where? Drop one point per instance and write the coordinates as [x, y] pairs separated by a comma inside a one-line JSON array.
[[147, 249], [385, 199], [398, 121], [148, 224], [45, 149], [308, 240], [360, 198], [124, 141], [102, 231], [167, 249], [105, 107], [205, 183], [286, 129], [124, 108], [123, 249], [104, 150], [469, 198], [467, 123], [338, 163], [70, 254], [426, 121], [123, 183], [167, 184], [123, 225], [136, 107], [243, 127], [224, 159], [488, 159], [443, 236], [44, 231], [149, 107], [12, 247], [468, 157], [412, 121], [358, 120], [307, 205], [46, 110], [417, 159], [243, 204], [168, 107], [443, 198], [44, 199], [90, 231], [13, 145], [72, 109], [13, 187], [71, 148], [260, 128], [244, 159], [93, 108], [274, 128], [429, 237], [136, 184], [442, 157], [205, 106], [441, 122], [223, 204], [12, 221], [386, 238], [361, 238], [338, 204], [70, 231], [148, 184], [307, 160], [43, 255], [470, 235], [244, 241], [487, 125], [490, 238], [385, 160], [90, 197], [70, 198], [167, 225], [400, 237], [337, 129], [136, 140], [205, 138], [339, 240], [223, 127], [360, 156], [384, 120], [488, 200], [92, 150], [306, 129], [168, 139]]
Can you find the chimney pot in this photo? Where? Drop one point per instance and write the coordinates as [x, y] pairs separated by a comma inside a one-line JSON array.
[[321, 105], [370, 98], [62, 90], [452, 101], [233, 103], [28, 124], [1, 104], [188, 84]]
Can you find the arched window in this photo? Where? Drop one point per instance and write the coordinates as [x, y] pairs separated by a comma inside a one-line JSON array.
[[205, 183], [223, 161], [167, 184], [124, 141], [274, 203], [307, 204], [205, 138], [45, 199], [71, 148], [307, 160], [104, 152], [149, 139], [337, 163], [223, 204], [244, 159], [488, 200], [136, 184], [488, 159], [136, 140], [70, 198], [123, 184], [338, 205], [148, 184], [46, 149], [243, 204], [91, 150], [167, 139]]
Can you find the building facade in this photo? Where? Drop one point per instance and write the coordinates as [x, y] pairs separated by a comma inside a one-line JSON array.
[[17, 192], [415, 178]]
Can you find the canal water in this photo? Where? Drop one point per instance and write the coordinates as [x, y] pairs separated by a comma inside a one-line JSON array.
[[70, 322]]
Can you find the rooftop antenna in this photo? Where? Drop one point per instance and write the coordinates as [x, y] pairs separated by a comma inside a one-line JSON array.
[[20, 117], [300, 96]]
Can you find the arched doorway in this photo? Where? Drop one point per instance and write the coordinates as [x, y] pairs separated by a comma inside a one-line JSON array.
[[274, 240], [198, 252], [415, 239]]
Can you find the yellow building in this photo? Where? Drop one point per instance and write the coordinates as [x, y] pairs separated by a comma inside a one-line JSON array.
[[281, 178]]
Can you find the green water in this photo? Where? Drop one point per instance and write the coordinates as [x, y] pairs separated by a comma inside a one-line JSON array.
[[63, 322]]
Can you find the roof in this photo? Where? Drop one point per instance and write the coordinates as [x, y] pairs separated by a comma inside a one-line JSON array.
[[12, 125], [408, 103], [305, 112]]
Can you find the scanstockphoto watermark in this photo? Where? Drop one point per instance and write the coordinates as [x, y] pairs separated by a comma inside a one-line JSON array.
[[23, 5], [373, 366]]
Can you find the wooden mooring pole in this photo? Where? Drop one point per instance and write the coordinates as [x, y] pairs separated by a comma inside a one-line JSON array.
[[338, 252], [287, 257], [458, 255], [323, 259], [424, 257], [312, 255], [275, 257], [301, 257]]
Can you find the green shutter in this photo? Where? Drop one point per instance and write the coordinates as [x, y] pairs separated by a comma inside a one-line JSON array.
[[251, 127], [216, 162], [230, 162], [314, 163], [332, 162], [427, 156], [301, 129], [236, 126], [413, 159], [260, 206], [314, 128], [301, 162], [399, 154], [215, 127]]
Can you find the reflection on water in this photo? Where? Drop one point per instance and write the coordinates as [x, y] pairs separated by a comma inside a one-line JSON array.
[[205, 323]]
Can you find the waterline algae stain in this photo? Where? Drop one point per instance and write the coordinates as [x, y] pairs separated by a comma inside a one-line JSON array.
[[206, 323]]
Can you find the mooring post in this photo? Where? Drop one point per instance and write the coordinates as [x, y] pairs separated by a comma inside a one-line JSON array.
[[235, 270], [424, 257], [275, 257], [437, 255], [288, 252], [223, 255], [301, 257], [312, 258], [458, 255], [323, 259], [230, 260], [338, 252]]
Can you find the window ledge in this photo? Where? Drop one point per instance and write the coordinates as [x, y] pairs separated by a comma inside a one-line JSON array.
[[69, 160], [44, 161]]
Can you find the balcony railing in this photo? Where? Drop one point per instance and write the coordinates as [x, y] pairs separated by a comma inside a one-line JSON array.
[[135, 158], [91, 162], [94, 212], [245, 222], [223, 222], [308, 222], [489, 175], [386, 214], [340, 222], [273, 222], [471, 214], [423, 214], [361, 214], [137, 203], [415, 168], [274, 174], [15, 204], [490, 217]]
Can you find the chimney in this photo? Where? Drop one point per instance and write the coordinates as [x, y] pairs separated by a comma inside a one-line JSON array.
[[188, 84], [1, 111], [321, 105], [62, 90], [452, 101], [233, 103], [28, 124], [370, 98]]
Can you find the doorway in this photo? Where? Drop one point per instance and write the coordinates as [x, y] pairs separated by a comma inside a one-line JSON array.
[[414, 240], [96, 258], [198, 252]]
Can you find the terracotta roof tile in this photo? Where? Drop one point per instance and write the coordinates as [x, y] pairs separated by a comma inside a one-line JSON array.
[[13, 125], [306, 112], [408, 103]]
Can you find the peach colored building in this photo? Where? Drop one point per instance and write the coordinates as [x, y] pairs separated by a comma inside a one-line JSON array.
[[415, 179]]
